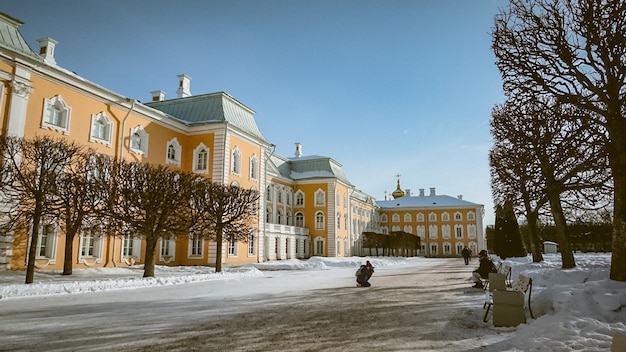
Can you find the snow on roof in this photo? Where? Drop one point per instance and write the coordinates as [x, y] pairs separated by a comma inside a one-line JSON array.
[[425, 202]]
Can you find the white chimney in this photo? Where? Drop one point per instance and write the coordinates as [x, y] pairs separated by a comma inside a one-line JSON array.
[[298, 150], [432, 191], [158, 95], [421, 192], [407, 192], [46, 50], [183, 90], [460, 196]]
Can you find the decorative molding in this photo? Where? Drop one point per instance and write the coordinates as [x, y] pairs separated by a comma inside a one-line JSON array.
[[21, 89]]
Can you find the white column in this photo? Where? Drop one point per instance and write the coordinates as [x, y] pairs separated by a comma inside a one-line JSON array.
[[18, 101]]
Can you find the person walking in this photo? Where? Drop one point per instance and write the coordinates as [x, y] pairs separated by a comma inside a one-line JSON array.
[[466, 255]]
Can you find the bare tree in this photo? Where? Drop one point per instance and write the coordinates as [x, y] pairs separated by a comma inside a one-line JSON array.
[[36, 168], [514, 178], [558, 140], [574, 50], [151, 202], [223, 213], [78, 204]]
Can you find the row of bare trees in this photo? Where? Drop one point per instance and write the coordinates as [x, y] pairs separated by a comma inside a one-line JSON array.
[[55, 180], [559, 145]]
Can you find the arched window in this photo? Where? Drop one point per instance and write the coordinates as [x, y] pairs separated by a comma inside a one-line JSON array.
[[101, 128], [201, 159], [299, 219], [299, 199], [174, 150], [268, 215], [139, 140], [254, 167], [56, 115], [320, 197], [319, 220], [279, 216], [236, 161]]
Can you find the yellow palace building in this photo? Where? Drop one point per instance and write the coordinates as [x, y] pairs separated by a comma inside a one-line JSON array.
[[309, 206], [444, 224]]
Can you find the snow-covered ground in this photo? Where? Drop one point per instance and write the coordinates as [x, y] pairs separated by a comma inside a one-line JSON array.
[[577, 309]]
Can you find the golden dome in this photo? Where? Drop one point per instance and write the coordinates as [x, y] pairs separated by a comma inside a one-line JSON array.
[[398, 193]]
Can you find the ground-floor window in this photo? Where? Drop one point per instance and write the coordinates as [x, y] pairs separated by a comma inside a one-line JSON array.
[[319, 247], [195, 246], [232, 248], [46, 241], [167, 248], [251, 244], [91, 243]]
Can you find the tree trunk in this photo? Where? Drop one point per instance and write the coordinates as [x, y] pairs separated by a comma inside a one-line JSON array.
[[32, 250], [148, 266], [219, 237], [69, 249], [533, 237], [618, 258], [567, 256]]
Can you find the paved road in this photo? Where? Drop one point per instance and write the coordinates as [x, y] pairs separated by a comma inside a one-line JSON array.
[[427, 308]]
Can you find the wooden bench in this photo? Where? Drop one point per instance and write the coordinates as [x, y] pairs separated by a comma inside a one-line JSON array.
[[508, 304]]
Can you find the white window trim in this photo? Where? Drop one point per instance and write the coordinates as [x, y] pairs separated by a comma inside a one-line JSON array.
[[318, 225], [177, 152], [171, 250], [299, 192], [197, 151], [254, 167], [135, 255], [322, 198], [51, 246], [66, 112], [231, 247], [144, 139], [235, 167], [190, 246], [108, 126], [98, 246]]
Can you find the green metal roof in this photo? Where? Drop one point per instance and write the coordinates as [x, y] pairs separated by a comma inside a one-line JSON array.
[[210, 108], [11, 38]]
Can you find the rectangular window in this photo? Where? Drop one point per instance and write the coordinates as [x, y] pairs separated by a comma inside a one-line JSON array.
[[46, 241], [196, 246], [232, 248], [251, 245], [87, 246], [128, 245], [202, 160], [165, 248]]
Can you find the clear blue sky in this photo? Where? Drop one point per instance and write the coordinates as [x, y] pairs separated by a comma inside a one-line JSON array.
[[383, 87]]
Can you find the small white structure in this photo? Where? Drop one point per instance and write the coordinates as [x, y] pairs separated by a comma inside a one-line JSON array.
[[550, 247]]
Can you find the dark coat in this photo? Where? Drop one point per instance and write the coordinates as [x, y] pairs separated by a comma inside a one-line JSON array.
[[485, 267]]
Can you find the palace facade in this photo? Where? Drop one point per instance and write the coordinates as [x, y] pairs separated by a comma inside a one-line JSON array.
[[310, 206]]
